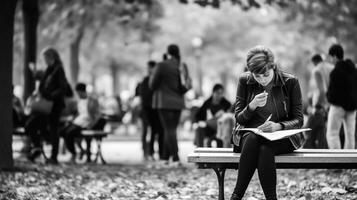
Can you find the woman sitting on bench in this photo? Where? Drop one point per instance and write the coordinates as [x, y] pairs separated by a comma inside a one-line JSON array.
[[270, 100]]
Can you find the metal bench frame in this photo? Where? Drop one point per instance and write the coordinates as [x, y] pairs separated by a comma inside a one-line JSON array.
[[98, 137]]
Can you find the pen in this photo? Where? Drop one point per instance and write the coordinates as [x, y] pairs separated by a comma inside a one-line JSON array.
[[268, 118]]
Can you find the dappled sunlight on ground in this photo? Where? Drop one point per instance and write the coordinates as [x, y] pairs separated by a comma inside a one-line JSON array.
[[91, 181], [127, 176]]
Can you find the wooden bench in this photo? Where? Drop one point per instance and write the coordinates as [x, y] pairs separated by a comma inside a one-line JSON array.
[[220, 159], [20, 131], [97, 135]]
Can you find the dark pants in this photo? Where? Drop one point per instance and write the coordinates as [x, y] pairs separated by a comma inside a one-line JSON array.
[[144, 115], [170, 120], [316, 138], [72, 132], [39, 125], [258, 153], [210, 134], [157, 133], [17, 118]]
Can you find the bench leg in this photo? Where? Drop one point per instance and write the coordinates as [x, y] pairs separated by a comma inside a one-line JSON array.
[[99, 151], [43, 150], [44, 154], [220, 176]]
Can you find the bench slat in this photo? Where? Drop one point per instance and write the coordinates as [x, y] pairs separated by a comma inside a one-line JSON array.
[[326, 151], [284, 158]]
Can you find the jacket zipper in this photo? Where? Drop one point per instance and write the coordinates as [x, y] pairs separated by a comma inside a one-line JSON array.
[[276, 109]]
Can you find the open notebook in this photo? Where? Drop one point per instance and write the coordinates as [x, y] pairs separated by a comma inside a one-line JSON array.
[[277, 135]]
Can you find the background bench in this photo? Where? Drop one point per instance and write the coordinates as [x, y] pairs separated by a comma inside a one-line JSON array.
[[98, 136], [89, 135], [220, 159]]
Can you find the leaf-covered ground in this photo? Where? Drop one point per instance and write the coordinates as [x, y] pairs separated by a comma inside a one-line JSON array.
[[82, 181]]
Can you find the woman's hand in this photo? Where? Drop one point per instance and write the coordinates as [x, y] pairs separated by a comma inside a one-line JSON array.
[[259, 100], [219, 113], [270, 126]]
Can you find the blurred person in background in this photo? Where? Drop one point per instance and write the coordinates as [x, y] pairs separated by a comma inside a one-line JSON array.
[[317, 118], [207, 116], [52, 87], [168, 98], [71, 104], [164, 56], [88, 117], [18, 121], [341, 94], [225, 126], [18, 113], [112, 108], [150, 117]]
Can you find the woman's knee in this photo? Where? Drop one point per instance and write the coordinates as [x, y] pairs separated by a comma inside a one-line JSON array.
[[251, 140], [251, 137], [266, 150]]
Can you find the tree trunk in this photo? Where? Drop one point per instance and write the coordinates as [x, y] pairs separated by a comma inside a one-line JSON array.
[[115, 77], [199, 74], [224, 76], [31, 16], [7, 11], [74, 55]]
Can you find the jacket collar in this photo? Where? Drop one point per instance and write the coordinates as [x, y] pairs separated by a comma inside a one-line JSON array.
[[278, 79]]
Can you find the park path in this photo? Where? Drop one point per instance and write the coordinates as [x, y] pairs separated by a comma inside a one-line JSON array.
[[122, 149]]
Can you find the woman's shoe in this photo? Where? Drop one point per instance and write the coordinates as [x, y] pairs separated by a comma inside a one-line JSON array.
[[52, 161], [175, 164], [162, 164], [151, 158], [235, 197]]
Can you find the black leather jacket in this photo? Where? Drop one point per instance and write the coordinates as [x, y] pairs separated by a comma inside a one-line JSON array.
[[287, 94], [53, 84]]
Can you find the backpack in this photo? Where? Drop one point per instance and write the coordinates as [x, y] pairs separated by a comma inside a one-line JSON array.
[[185, 78]]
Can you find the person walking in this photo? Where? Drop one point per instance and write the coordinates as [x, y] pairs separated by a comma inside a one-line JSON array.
[[263, 93], [320, 78], [341, 94], [52, 87], [169, 100]]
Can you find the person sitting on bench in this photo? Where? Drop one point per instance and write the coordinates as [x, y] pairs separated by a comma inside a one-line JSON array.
[[225, 125], [89, 117], [18, 113], [270, 100], [207, 115]]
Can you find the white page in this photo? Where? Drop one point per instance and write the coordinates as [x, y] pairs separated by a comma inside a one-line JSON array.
[[277, 134]]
